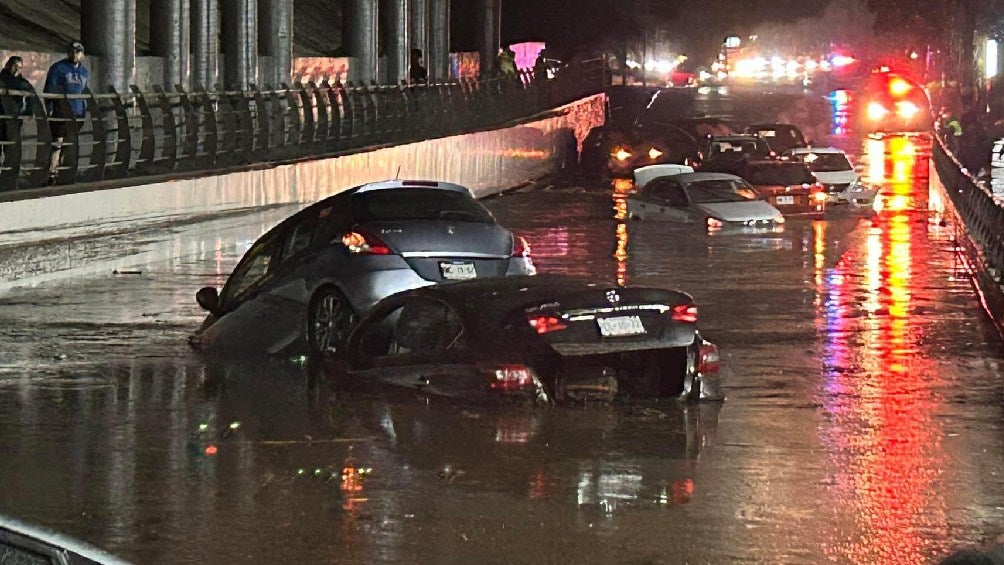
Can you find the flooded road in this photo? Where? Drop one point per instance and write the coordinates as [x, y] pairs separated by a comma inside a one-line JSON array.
[[863, 420]]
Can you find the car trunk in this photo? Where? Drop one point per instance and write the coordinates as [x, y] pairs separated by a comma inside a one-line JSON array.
[[439, 250]]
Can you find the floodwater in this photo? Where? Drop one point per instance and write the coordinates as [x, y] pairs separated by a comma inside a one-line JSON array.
[[862, 425]]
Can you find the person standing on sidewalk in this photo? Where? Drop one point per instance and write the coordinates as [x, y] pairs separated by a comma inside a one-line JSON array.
[[67, 76], [11, 79]]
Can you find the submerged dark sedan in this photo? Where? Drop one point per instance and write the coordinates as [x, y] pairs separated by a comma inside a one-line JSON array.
[[303, 284], [549, 338]]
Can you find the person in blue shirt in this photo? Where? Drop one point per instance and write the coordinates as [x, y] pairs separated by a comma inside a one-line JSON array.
[[67, 76]]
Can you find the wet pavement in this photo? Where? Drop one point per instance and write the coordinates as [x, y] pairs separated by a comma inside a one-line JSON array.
[[862, 425]]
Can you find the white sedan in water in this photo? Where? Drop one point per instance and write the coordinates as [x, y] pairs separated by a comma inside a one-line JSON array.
[[832, 168], [717, 201]]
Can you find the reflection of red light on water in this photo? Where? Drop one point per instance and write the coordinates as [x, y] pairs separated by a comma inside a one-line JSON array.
[[682, 490]]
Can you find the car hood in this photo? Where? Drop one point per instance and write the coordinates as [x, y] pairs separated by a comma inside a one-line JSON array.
[[740, 211], [836, 177]]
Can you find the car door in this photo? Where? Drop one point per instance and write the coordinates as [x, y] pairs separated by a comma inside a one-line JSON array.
[[415, 343], [667, 199]]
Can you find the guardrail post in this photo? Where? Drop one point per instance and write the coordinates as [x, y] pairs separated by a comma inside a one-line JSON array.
[[277, 123], [373, 115], [227, 154], [329, 96], [353, 114], [321, 119], [210, 131], [70, 150], [294, 129], [190, 146], [121, 166], [307, 109], [144, 163], [262, 141], [245, 127], [169, 135], [99, 149]]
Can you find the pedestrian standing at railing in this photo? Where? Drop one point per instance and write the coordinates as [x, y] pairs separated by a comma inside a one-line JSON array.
[[11, 79], [67, 76]]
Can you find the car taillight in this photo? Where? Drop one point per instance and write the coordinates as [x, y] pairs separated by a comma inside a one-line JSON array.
[[510, 378], [708, 359], [361, 242], [876, 111], [715, 223], [819, 196], [546, 324], [685, 313], [520, 247]]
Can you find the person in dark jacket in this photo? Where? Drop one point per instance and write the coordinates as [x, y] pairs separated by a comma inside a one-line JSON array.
[[11, 79], [66, 76]]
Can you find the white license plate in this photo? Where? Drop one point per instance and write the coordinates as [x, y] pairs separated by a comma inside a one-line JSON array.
[[785, 199], [621, 325], [458, 271]]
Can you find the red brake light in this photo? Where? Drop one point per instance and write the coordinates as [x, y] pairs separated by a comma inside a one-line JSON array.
[[708, 359], [715, 223], [546, 324], [520, 247], [685, 313], [509, 378], [362, 242]]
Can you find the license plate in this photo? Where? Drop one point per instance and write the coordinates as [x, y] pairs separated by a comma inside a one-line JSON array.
[[621, 325], [458, 271], [785, 199]]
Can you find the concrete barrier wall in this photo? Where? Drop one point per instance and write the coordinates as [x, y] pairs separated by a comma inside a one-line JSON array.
[[487, 162]]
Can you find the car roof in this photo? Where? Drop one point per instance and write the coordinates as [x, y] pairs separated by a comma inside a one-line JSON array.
[[807, 150], [393, 184], [697, 177], [49, 537]]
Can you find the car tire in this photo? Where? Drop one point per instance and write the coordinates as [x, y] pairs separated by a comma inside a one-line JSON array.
[[330, 318]]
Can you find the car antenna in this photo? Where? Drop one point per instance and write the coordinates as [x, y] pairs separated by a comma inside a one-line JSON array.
[[397, 175]]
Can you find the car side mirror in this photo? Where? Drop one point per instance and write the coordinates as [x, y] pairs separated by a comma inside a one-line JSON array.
[[209, 299]]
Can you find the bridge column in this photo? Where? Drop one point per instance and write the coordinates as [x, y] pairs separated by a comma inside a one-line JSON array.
[[396, 39], [108, 30], [240, 43], [438, 58], [489, 36], [277, 35], [205, 43], [362, 27], [170, 38]]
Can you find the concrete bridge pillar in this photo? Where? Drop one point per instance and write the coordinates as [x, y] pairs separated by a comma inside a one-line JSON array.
[[396, 39], [240, 43], [277, 38], [170, 38], [205, 43], [489, 36], [361, 33], [420, 29], [108, 30], [438, 58]]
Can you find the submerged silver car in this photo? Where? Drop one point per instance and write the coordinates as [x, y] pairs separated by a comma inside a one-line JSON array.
[[717, 201], [304, 283]]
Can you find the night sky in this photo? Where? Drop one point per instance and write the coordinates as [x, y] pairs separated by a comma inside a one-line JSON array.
[[579, 26]]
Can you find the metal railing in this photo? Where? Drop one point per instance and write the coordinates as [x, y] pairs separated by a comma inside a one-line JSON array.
[[136, 134], [981, 211]]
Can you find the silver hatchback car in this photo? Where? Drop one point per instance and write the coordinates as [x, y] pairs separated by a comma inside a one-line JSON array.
[[304, 284]]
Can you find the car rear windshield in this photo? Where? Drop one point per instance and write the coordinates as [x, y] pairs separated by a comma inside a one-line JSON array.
[[786, 174], [711, 191], [826, 162], [737, 149], [418, 204]]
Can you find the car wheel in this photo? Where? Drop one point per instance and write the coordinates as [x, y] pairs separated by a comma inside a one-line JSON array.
[[330, 318]]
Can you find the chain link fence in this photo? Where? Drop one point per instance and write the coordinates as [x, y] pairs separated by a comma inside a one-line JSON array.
[[167, 132]]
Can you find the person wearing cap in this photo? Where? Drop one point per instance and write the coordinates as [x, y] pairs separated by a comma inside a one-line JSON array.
[[66, 76], [11, 79]]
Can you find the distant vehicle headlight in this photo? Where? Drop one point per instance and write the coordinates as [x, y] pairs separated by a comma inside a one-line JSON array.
[[621, 154], [907, 109], [876, 111], [654, 153]]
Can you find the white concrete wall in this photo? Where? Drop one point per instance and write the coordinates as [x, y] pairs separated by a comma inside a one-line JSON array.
[[487, 162]]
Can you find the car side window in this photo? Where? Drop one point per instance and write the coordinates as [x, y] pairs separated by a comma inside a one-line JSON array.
[[299, 238], [10, 553], [667, 192], [253, 269], [419, 325]]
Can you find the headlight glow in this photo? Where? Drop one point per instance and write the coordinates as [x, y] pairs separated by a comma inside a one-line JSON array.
[[621, 154], [654, 153], [907, 109], [876, 111]]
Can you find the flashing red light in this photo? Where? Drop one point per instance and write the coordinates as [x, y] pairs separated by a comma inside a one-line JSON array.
[[362, 242], [899, 86], [709, 361], [546, 324], [211, 450], [510, 378], [520, 247], [685, 313]]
